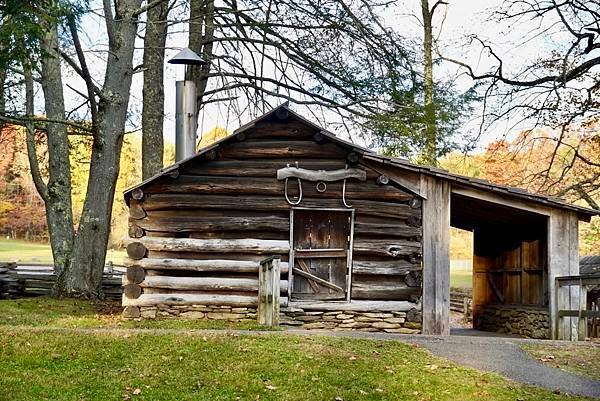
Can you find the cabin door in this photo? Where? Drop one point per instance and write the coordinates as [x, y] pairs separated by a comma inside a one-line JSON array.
[[321, 254]]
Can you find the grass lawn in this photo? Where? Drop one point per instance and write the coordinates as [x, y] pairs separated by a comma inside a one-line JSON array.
[[41, 363], [460, 278], [24, 251], [574, 358]]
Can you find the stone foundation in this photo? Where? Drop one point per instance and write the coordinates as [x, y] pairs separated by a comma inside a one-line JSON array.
[[515, 319], [389, 322], [229, 313]]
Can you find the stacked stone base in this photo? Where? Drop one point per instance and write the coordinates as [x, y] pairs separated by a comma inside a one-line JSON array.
[[515, 319], [229, 313], [388, 322]]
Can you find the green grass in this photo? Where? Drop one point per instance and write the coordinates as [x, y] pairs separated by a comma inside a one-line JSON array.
[[37, 362], [575, 358], [34, 252], [73, 313], [460, 278]]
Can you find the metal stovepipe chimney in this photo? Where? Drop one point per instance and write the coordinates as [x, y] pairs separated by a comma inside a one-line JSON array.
[[185, 107]]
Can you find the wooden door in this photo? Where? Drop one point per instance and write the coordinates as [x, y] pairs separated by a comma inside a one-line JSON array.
[[321, 254]]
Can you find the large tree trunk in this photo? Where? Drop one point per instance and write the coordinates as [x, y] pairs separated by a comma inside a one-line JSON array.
[[59, 212], [430, 151], [94, 227], [201, 34], [153, 91]]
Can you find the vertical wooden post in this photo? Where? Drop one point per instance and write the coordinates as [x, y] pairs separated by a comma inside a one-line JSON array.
[[268, 292], [582, 329], [563, 260], [436, 256]]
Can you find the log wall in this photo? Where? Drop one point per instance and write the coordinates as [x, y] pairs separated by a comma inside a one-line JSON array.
[[197, 234]]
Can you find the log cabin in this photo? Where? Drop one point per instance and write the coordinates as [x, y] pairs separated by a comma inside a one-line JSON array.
[[363, 239]]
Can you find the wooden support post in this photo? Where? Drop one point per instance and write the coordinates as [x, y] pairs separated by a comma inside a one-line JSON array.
[[268, 292], [582, 323], [563, 260], [436, 256]]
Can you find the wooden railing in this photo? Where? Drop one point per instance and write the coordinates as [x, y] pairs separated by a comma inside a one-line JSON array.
[[581, 314]]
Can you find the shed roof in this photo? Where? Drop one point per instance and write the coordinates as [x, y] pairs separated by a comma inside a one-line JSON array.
[[404, 164], [589, 265]]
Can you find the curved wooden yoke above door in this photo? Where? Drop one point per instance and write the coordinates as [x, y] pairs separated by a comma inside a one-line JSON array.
[[321, 254]]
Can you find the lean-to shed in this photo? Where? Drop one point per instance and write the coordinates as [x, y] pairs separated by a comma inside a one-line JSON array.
[[363, 239]]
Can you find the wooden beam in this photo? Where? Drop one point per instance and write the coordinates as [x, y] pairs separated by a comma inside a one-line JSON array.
[[321, 175], [436, 256], [385, 268], [203, 283], [356, 306], [249, 245], [191, 299], [214, 265], [318, 280]]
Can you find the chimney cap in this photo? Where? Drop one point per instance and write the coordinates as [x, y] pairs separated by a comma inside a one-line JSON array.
[[188, 57]]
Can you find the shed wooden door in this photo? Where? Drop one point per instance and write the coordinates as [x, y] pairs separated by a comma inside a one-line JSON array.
[[321, 252]]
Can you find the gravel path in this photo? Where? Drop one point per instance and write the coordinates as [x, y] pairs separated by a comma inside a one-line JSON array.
[[496, 354]]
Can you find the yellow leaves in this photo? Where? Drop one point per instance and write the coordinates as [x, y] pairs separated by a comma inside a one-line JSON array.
[[212, 136]]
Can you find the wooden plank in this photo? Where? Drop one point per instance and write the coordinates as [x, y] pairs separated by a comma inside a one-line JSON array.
[[313, 285], [180, 221], [436, 256], [384, 268], [388, 230], [202, 283], [215, 265], [257, 167], [384, 290], [356, 306], [288, 148], [319, 253], [191, 299], [321, 175], [319, 280], [386, 247], [215, 245]]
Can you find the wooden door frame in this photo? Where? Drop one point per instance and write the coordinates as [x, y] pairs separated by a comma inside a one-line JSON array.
[[291, 261]]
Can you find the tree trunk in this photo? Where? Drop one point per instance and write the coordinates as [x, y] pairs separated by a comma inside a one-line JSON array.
[[2, 98], [153, 91], [94, 227], [430, 151], [59, 212], [202, 30]]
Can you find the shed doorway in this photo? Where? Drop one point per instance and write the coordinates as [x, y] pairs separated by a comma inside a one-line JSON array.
[[321, 256]]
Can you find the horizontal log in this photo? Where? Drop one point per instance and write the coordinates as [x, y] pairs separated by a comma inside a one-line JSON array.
[[387, 247], [287, 148], [321, 175], [380, 289], [189, 222], [204, 283], [217, 265], [388, 230], [243, 186], [287, 130], [248, 245], [257, 167], [176, 201], [356, 306], [384, 268], [191, 299]]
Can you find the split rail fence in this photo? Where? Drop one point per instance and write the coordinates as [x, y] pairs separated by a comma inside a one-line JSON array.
[[30, 280]]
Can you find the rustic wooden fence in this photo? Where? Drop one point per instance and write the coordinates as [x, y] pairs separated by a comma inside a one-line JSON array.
[[30, 280], [461, 300], [574, 323]]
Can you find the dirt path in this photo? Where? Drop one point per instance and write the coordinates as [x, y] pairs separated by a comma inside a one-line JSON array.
[[501, 355]]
